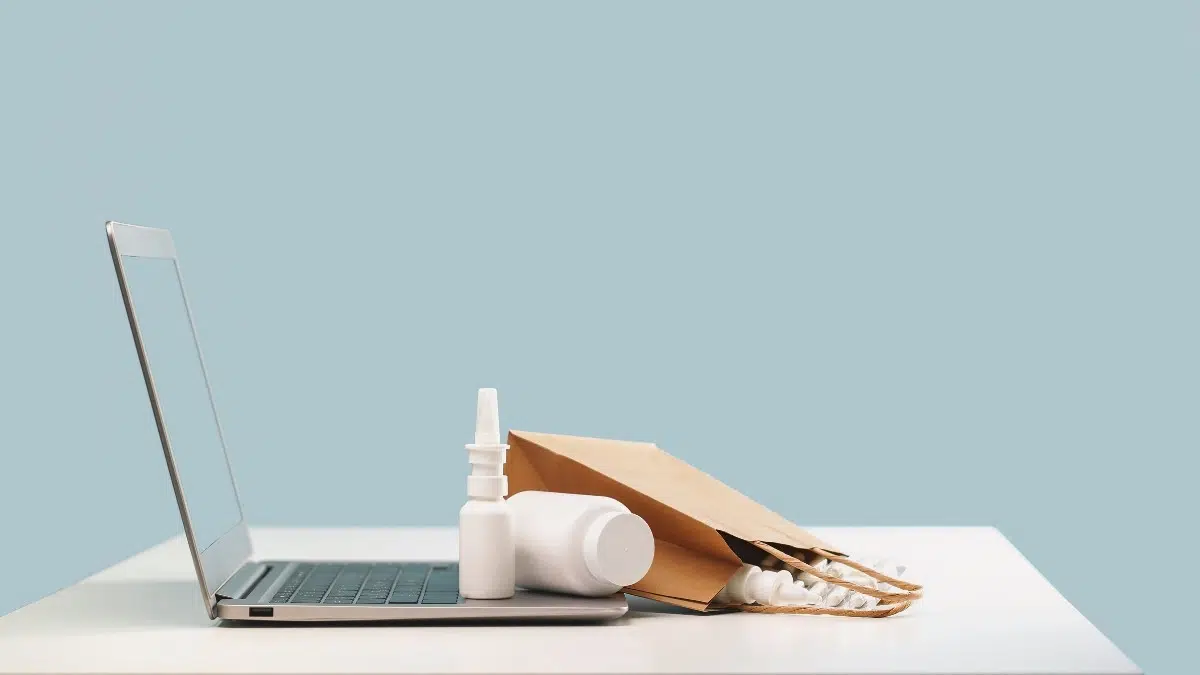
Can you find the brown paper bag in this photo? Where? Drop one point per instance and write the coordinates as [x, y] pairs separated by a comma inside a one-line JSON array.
[[703, 529]]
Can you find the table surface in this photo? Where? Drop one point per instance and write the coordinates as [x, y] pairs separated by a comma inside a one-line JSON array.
[[986, 610]]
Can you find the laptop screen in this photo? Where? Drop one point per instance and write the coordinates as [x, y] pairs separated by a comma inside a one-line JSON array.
[[173, 354]]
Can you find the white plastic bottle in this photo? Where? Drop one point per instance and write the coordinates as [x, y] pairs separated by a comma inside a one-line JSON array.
[[486, 552], [753, 585], [578, 544]]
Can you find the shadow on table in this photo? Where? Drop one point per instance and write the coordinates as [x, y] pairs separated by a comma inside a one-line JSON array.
[[644, 607], [110, 606]]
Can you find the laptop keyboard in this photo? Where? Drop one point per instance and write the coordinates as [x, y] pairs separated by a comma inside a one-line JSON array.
[[370, 584]]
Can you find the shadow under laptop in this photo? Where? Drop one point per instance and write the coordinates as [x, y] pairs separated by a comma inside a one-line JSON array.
[[111, 606]]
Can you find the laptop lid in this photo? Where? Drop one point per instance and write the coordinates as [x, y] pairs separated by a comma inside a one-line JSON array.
[[164, 335]]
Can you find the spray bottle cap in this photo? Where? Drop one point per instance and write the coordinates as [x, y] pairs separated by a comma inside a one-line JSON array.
[[764, 587], [487, 453], [796, 594], [487, 418]]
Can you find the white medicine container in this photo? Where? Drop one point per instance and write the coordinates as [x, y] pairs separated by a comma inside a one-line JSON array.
[[578, 544]]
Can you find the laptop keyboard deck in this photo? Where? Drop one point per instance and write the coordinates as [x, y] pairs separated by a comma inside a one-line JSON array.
[[370, 584]]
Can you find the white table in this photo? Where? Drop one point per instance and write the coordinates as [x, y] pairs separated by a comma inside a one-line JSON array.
[[987, 610]]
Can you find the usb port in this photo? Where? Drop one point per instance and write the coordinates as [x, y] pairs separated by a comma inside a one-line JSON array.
[[262, 611]]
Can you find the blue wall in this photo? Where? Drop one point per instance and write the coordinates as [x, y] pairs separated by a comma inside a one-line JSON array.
[[952, 245]]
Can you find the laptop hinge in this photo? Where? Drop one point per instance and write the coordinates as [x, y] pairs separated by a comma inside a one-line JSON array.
[[243, 581]]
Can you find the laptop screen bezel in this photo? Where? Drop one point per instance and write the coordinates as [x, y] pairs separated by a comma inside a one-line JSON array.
[[220, 560]]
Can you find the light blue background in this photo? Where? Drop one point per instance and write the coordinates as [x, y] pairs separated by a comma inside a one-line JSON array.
[[951, 246]]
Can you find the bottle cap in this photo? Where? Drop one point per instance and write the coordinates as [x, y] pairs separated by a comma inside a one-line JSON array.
[[763, 587], [796, 594], [618, 548], [487, 487], [836, 596], [486, 455]]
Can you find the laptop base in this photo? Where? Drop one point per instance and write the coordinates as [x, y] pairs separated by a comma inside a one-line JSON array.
[[289, 591]]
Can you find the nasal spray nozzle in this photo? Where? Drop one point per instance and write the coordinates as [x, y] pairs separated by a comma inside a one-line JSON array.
[[487, 418], [487, 453], [486, 549]]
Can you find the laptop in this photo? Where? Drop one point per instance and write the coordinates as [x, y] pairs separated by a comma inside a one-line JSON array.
[[234, 583]]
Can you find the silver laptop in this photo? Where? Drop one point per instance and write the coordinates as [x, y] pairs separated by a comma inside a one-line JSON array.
[[233, 583]]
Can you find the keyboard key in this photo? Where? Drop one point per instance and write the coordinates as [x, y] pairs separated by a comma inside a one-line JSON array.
[[440, 599], [364, 583], [405, 599]]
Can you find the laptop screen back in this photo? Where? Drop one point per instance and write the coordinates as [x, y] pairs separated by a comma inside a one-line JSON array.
[[185, 403]]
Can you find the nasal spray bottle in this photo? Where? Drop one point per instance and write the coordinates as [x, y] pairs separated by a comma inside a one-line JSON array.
[[486, 550]]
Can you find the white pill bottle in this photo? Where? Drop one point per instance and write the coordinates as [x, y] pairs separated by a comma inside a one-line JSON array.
[[578, 544]]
